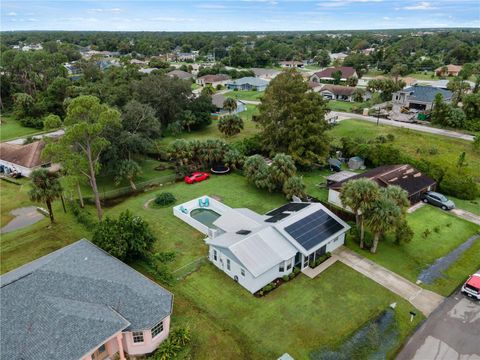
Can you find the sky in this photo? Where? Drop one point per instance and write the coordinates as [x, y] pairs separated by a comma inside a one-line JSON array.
[[237, 15]]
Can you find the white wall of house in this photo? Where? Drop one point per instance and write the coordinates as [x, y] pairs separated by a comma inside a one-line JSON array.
[[334, 197], [18, 168], [248, 281]]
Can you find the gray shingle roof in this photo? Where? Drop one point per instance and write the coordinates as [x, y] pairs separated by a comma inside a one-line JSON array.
[[249, 80], [67, 303], [426, 93]]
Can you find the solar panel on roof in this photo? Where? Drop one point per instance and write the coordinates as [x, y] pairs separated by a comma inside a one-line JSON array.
[[291, 207], [277, 217], [313, 229]]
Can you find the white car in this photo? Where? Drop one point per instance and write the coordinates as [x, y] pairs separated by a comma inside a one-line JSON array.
[[472, 286]]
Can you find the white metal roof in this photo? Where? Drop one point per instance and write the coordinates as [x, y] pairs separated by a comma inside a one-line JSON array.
[[233, 220]]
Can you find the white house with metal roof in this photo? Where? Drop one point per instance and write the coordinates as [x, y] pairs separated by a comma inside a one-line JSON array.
[[255, 249]]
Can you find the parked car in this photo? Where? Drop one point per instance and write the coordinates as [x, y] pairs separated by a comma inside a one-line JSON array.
[[197, 177], [472, 286], [439, 200]]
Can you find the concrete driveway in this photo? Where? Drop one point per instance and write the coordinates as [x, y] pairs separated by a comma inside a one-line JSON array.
[[451, 332]]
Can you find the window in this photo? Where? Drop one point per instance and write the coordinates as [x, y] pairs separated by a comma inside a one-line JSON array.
[[228, 264], [137, 336], [289, 266], [157, 329], [281, 267], [215, 255], [242, 271]]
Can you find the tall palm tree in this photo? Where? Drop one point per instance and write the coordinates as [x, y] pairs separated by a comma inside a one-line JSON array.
[[230, 104], [46, 188], [381, 217], [359, 195], [398, 196]]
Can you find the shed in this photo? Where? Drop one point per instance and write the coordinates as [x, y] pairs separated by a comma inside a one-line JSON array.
[[339, 176], [355, 163]]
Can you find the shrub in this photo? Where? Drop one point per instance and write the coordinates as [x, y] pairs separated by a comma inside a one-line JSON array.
[[296, 270], [285, 278], [433, 151], [459, 185], [426, 233], [403, 233], [391, 137], [292, 275], [164, 198], [436, 229]]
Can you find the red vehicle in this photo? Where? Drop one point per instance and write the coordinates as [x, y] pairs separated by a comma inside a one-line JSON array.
[[472, 286], [197, 177]]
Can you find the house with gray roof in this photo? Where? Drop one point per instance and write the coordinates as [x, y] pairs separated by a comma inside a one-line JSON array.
[[219, 99], [419, 97], [79, 302], [266, 74], [255, 249], [248, 83]]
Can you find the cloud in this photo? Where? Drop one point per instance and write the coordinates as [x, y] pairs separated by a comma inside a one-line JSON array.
[[172, 19], [12, 13], [423, 5], [111, 11], [386, 18], [32, 19], [271, 2]]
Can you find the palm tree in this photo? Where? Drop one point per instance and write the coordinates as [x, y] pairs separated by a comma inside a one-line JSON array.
[[230, 125], [359, 196], [45, 188], [230, 105], [398, 196], [129, 170], [382, 216]]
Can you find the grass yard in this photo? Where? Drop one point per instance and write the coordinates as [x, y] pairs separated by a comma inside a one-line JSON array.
[[211, 131], [446, 233], [472, 206], [416, 144], [302, 316], [226, 321], [337, 105], [245, 95], [10, 128], [429, 75], [27, 244]]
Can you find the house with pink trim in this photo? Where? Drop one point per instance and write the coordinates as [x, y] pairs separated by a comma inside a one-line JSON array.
[[80, 303]]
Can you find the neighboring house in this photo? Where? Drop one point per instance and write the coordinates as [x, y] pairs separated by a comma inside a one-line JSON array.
[[266, 74], [292, 64], [79, 302], [219, 99], [325, 75], [255, 249], [213, 80], [138, 62], [406, 176], [180, 74], [337, 92], [147, 70], [248, 83], [21, 159], [418, 97], [448, 70], [338, 56], [315, 86], [189, 56]]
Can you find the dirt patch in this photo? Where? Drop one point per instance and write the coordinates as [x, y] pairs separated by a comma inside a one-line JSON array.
[[147, 203], [23, 217]]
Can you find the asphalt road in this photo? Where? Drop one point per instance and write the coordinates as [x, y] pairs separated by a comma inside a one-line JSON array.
[[451, 332]]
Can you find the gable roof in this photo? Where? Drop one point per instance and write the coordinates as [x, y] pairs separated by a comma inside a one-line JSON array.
[[405, 176], [249, 80], [426, 93], [180, 74], [450, 68], [267, 244], [346, 71], [28, 156], [339, 89], [214, 78], [65, 304]]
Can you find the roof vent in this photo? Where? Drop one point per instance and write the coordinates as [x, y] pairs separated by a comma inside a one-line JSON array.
[[243, 232]]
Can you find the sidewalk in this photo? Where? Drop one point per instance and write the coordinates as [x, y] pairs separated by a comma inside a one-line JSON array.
[[312, 273], [424, 300]]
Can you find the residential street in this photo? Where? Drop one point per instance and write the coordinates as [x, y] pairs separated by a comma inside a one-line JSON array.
[[451, 332], [417, 127]]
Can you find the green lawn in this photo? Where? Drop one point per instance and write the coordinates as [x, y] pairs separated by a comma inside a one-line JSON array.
[[446, 233], [468, 205], [245, 95], [429, 75], [226, 321], [27, 244], [211, 131], [336, 105], [10, 128], [419, 145]]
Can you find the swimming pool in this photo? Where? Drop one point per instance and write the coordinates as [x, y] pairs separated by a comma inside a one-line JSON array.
[[205, 216]]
